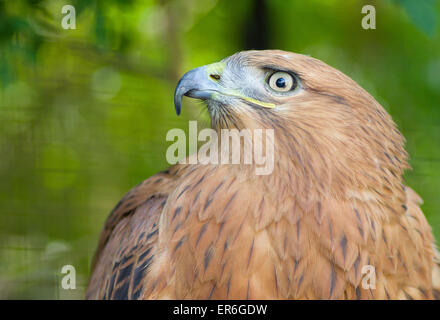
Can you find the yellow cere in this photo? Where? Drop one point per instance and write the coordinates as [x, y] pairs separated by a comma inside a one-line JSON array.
[[215, 68], [218, 68]]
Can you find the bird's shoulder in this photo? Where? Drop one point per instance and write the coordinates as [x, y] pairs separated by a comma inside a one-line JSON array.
[[125, 247], [420, 230]]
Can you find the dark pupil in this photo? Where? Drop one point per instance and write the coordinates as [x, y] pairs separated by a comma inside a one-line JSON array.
[[281, 83]]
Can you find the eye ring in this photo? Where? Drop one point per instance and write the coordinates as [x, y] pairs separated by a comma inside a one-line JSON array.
[[281, 81]]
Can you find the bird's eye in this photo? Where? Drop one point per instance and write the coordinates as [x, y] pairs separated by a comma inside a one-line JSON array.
[[282, 81]]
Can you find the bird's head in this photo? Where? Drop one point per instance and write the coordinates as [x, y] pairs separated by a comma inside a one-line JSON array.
[[325, 124]]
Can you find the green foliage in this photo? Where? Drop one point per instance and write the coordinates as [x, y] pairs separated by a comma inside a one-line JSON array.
[[423, 13], [84, 113]]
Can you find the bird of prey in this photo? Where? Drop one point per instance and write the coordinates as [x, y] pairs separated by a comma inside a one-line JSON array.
[[333, 211]]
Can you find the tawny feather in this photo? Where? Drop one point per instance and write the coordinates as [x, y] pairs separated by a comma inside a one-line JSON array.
[[334, 204]]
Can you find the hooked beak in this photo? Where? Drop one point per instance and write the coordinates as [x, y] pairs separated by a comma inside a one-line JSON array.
[[199, 83], [204, 83]]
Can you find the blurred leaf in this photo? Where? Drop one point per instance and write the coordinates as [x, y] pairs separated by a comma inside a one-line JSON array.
[[423, 13]]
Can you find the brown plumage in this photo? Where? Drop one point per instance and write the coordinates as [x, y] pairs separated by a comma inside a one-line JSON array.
[[334, 203]]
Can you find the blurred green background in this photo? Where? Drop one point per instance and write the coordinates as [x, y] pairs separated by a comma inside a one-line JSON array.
[[84, 112]]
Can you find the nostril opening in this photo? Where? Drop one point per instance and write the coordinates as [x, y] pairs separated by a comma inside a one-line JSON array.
[[215, 76]]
